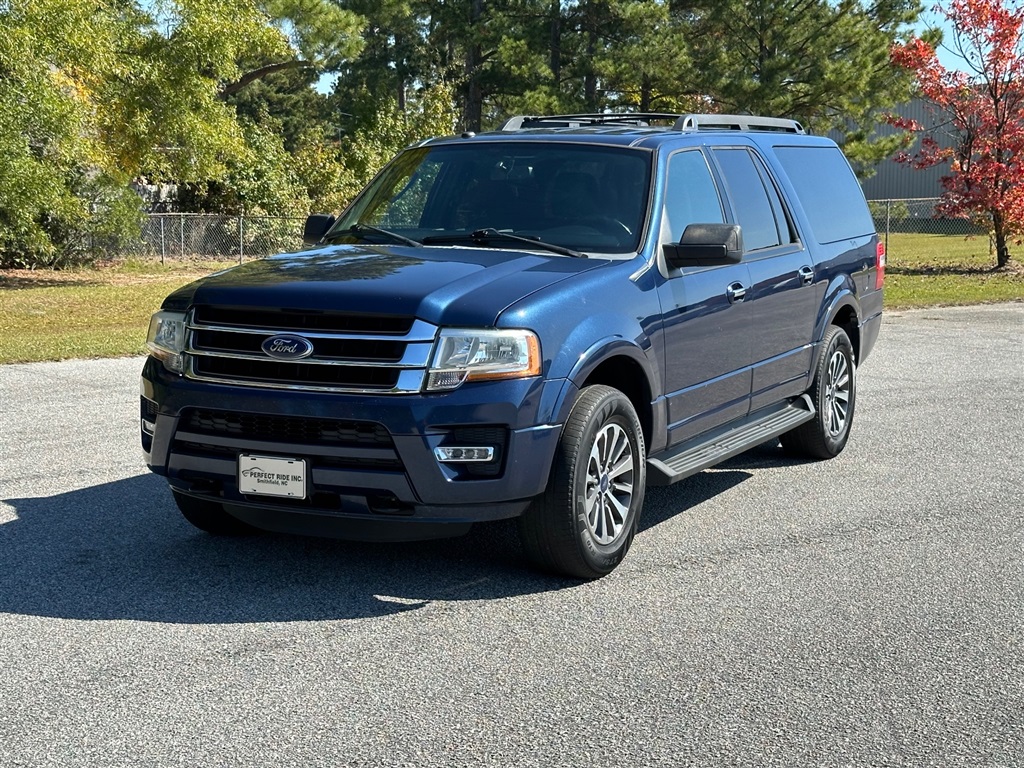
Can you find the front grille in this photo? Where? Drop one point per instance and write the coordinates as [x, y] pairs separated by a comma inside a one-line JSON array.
[[303, 320], [289, 429], [307, 432], [275, 372], [195, 447], [326, 348], [350, 352]]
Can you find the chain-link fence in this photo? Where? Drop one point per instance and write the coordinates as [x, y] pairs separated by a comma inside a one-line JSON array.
[[914, 233], [179, 236], [910, 229]]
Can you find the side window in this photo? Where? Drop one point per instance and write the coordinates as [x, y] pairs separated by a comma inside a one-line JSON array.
[[829, 192], [691, 196], [754, 210], [787, 234]]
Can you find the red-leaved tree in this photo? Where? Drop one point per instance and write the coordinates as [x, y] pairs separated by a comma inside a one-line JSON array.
[[984, 112]]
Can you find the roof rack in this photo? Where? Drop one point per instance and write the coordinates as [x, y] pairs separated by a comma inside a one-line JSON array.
[[644, 119], [575, 121], [736, 123]]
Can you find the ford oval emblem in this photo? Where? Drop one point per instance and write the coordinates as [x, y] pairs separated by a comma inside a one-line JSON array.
[[287, 347]]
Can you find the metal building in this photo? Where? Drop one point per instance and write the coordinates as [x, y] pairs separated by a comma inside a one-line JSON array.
[[900, 181]]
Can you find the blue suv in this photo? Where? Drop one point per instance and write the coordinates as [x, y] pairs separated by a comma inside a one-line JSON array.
[[534, 322]]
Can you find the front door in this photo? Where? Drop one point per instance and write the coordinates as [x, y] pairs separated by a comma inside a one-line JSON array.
[[706, 322]]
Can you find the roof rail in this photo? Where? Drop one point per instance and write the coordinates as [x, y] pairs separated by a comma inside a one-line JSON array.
[[691, 122], [737, 123], [575, 121]]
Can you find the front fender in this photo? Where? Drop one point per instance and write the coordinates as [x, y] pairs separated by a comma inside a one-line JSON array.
[[601, 350], [588, 361]]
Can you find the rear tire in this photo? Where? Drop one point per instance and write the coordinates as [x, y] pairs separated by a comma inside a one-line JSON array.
[[834, 393], [210, 516], [584, 523]]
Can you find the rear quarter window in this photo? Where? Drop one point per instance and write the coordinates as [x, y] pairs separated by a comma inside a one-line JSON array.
[[829, 192]]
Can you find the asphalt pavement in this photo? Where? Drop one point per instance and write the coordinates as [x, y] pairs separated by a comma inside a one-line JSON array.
[[861, 611]]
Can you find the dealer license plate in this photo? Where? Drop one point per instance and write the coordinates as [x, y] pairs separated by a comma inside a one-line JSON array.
[[272, 476]]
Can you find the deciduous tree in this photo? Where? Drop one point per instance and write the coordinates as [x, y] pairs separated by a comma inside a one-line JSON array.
[[96, 93], [983, 109], [59, 180]]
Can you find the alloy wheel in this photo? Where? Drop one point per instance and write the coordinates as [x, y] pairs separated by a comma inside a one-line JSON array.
[[610, 478]]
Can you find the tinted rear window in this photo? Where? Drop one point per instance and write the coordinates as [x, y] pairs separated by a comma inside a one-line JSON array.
[[829, 192], [750, 199]]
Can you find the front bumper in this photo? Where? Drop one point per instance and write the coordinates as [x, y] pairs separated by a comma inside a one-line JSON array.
[[397, 478]]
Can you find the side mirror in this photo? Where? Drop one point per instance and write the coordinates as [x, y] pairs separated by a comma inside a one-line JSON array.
[[706, 245], [316, 227]]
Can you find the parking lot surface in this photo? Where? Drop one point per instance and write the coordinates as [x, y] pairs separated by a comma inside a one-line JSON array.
[[862, 611]]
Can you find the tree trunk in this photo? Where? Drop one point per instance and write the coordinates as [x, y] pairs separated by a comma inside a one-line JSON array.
[[999, 235], [474, 105], [590, 79], [555, 44], [645, 93], [400, 73]]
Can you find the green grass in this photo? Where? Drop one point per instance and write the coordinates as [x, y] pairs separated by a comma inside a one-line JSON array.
[[100, 312], [926, 270], [104, 311], [939, 251]]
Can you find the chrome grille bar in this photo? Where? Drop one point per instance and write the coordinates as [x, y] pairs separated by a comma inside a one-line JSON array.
[[395, 370], [420, 331], [416, 356]]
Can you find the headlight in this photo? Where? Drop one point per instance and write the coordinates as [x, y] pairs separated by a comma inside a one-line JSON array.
[[166, 339], [468, 354]]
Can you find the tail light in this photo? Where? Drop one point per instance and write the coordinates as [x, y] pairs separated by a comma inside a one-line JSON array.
[[879, 265]]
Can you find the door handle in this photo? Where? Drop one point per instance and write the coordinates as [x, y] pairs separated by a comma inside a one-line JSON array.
[[806, 275], [736, 292]]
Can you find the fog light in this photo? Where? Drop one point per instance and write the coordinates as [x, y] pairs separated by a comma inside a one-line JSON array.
[[450, 454]]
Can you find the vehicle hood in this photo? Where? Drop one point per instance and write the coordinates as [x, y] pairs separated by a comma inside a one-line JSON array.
[[442, 285]]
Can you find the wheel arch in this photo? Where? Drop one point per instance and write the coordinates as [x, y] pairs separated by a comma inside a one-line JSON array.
[[619, 364], [846, 318], [842, 309]]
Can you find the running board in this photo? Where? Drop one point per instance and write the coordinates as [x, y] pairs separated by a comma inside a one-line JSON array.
[[678, 463]]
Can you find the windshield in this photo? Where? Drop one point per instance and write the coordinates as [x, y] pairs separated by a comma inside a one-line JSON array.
[[582, 197]]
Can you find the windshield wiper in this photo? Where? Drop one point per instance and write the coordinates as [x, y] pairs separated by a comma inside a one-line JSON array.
[[362, 229], [489, 233]]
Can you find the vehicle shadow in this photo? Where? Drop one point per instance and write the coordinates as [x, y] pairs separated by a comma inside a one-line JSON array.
[[25, 279], [763, 456], [121, 550], [950, 269], [666, 502]]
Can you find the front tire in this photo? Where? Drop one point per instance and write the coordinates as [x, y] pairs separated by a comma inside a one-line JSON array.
[[834, 393], [210, 516], [584, 523]]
